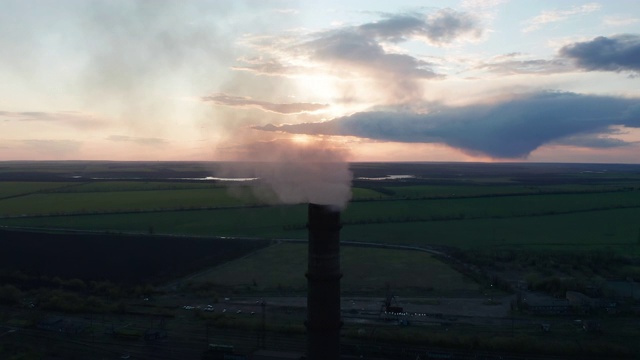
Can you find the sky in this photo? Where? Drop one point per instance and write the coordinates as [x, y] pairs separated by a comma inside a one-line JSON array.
[[469, 80]]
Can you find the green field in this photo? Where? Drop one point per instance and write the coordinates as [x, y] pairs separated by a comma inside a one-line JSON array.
[[551, 227], [120, 201], [615, 229], [466, 206], [14, 188], [600, 219], [366, 270]]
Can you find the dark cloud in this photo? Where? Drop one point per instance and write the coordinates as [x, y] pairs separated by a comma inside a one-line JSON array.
[[509, 129], [363, 54], [72, 118], [247, 102], [593, 141], [139, 140], [360, 47], [444, 26], [617, 53]]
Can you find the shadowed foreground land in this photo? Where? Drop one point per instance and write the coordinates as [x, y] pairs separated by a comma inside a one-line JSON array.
[[121, 259], [460, 245]]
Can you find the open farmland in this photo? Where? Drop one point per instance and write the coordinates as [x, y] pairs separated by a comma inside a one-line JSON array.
[[459, 205], [14, 188], [124, 259], [366, 270], [491, 226], [56, 203]]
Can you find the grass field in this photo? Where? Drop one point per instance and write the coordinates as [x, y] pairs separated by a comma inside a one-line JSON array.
[[467, 206], [573, 220], [615, 229], [14, 188], [255, 222], [281, 268], [501, 214], [106, 201]]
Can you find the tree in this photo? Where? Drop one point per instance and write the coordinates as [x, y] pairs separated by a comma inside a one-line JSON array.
[[10, 295]]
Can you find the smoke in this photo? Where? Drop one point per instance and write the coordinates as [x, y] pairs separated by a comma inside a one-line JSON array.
[[290, 172]]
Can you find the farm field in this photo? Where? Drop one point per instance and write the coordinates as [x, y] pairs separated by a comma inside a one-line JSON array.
[[121, 259], [118, 201], [598, 210], [366, 271], [133, 225], [616, 229]]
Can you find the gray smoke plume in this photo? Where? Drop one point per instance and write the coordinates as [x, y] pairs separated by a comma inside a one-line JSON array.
[[293, 173]]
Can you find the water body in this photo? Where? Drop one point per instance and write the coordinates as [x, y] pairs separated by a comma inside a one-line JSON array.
[[388, 177], [213, 178]]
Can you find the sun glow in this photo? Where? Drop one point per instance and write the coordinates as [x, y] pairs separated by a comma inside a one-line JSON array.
[[302, 139]]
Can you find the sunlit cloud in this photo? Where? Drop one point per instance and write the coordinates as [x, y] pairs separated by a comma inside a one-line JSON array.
[[247, 102], [363, 52], [551, 16], [480, 4]]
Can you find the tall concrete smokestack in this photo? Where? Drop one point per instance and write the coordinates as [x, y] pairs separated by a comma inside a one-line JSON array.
[[323, 279]]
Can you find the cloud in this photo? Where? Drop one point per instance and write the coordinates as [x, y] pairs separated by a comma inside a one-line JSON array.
[[268, 67], [616, 53], [247, 102], [534, 66], [364, 51], [75, 119], [287, 11], [619, 21], [547, 17], [361, 53], [593, 141], [480, 4], [439, 28], [508, 129], [157, 142]]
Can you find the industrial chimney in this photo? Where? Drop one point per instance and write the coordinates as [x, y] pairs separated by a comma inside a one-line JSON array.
[[323, 279]]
